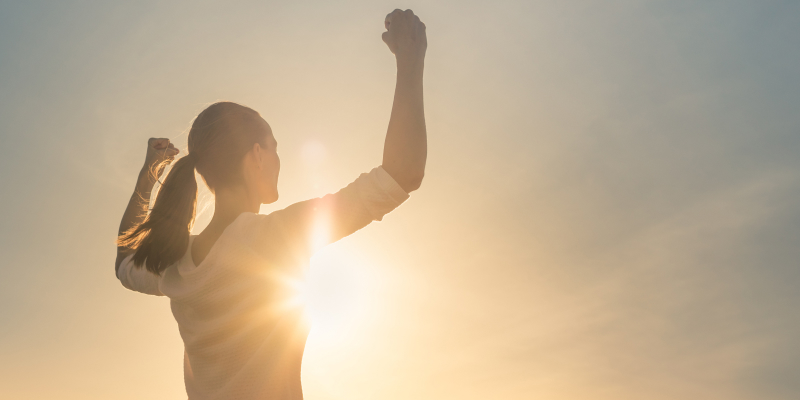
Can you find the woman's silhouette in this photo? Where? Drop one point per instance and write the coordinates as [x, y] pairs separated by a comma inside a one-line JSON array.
[[227, 286]]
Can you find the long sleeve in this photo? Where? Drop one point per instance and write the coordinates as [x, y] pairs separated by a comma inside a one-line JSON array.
[[304, 227], [138, 278]]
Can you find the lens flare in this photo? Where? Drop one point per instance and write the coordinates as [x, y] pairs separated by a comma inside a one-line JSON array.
[[335, 295]]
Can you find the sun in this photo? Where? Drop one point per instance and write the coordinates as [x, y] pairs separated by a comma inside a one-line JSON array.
[[335, 294]]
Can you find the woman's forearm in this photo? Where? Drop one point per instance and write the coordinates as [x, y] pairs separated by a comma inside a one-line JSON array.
[[160, 152], [135, 212], [139, 199], [406, 146], [405, 150]]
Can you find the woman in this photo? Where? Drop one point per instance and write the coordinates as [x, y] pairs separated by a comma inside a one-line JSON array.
[[243, 336]]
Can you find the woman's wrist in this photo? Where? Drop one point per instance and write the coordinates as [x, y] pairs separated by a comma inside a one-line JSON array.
[[146, 180], [410, 65], [410, 74]]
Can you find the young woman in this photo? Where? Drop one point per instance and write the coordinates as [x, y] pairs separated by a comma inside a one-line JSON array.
[[243, 336]]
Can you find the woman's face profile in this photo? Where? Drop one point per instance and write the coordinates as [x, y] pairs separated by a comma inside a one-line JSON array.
[[269, 169], [260, 168]]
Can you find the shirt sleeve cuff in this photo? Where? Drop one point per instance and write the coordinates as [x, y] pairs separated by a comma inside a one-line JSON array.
[[137, 279], [380, 193], [390, 186]]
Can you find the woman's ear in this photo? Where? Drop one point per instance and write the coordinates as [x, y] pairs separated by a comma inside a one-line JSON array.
[[258, 154]]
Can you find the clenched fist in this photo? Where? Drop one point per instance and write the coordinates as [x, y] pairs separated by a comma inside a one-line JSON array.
[[160, 153], [405, 36]]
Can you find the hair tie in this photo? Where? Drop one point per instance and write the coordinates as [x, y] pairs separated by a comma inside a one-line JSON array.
[[192, 158]]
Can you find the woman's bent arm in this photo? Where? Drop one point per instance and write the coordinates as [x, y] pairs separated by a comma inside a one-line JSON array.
[[160, 152], [405, 150]]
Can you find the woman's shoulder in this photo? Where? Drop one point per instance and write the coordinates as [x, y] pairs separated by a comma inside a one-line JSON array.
[[250, 225], [248, 219]]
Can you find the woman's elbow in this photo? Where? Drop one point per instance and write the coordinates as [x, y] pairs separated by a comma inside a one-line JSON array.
[[413, 182], [409, 179]]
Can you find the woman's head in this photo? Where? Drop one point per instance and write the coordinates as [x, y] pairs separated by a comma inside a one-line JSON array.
[[232, 148]]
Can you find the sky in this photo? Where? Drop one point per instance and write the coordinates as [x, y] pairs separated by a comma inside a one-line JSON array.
[[611, 207]]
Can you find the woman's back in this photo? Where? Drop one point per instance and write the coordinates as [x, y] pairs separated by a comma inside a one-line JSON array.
[[243, 337], [243, 329]]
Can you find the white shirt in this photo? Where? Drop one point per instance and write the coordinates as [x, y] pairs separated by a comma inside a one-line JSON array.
[[242, 333]]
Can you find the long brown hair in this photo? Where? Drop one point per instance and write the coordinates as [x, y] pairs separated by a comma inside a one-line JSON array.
[[220, 137]]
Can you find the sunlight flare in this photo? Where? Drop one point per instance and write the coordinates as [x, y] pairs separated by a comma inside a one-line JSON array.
[[335, 295]]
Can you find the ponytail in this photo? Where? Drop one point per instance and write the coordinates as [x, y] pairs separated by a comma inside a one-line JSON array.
[[220, 137], [163, 237]]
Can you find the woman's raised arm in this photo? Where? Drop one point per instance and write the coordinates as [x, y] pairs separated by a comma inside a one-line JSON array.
[[160, 152], [406, 148]]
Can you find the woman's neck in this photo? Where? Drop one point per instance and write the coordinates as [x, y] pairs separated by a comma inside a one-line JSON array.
[[228, 205]]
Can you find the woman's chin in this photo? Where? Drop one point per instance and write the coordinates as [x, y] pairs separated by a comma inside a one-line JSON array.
[[271, 199]]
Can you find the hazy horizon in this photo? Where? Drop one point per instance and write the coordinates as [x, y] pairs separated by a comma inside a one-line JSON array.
[[611, 207]]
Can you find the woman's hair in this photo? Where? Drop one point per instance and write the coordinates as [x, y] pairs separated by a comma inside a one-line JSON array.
[[220, 137]]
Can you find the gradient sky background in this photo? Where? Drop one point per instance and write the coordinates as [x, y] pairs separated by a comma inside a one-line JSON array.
[[611, 208]]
